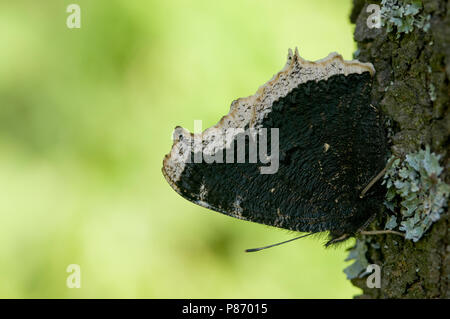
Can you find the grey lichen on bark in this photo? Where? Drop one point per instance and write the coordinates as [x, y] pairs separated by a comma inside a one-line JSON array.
[[412, 91]]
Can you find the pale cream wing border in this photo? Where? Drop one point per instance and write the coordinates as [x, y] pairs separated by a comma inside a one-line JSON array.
[[253, 109]]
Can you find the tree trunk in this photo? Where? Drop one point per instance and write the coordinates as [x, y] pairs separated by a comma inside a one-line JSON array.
[[411, 89]]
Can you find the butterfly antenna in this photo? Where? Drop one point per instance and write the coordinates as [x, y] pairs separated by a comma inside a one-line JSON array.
[[283, 242]]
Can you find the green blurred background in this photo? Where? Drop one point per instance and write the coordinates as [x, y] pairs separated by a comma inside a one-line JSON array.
[[86, 117]]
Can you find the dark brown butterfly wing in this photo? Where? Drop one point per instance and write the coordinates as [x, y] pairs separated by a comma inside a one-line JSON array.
[[331, 144]]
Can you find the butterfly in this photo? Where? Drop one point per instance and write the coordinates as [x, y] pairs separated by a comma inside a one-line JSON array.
[[322, 143]]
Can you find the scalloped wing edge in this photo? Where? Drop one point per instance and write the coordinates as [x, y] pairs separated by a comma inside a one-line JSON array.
[[251, 110]]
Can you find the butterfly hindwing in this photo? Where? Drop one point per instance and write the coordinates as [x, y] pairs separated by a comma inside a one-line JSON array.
[[330, 145]]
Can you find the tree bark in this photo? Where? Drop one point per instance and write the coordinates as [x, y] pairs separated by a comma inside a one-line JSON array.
[[411, 89]]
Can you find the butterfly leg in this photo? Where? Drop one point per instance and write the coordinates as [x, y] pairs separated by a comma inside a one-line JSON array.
[[376, 178], [367, 223], [362, 230], [337, 238]]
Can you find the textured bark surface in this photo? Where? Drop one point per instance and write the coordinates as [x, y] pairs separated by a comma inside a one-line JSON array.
[[411, 88]]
